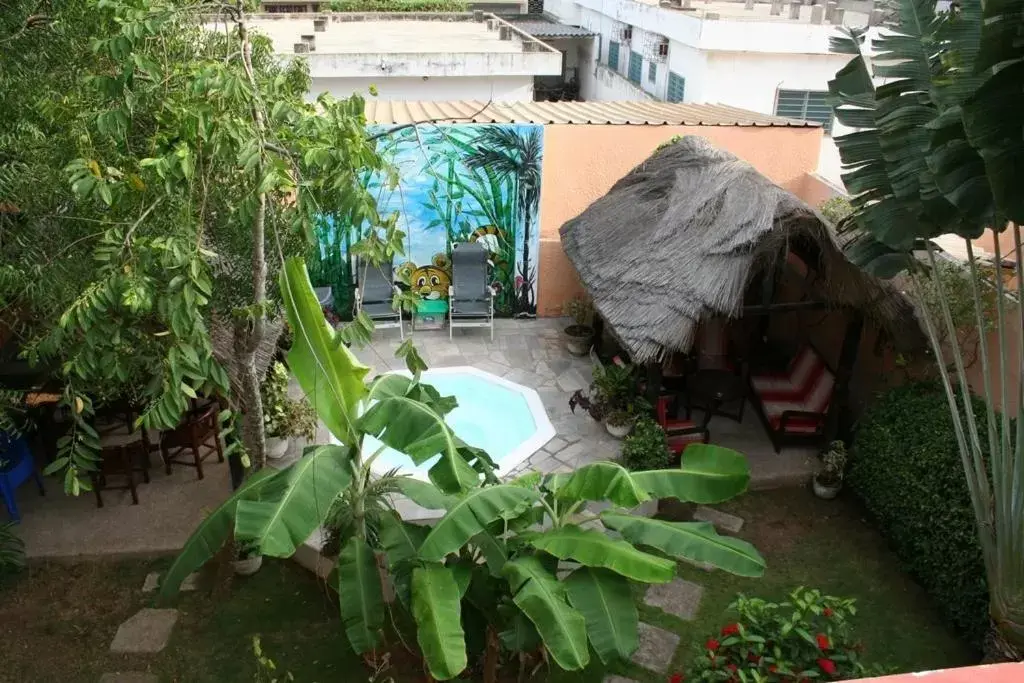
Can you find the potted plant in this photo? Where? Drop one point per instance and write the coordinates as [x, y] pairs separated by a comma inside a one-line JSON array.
[[829, 480], [248, 559], [646, 448], [283, 416], [619, 423], [579, 335]]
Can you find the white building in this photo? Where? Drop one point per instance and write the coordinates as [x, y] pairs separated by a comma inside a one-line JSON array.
[[413, 56], [769, 58]]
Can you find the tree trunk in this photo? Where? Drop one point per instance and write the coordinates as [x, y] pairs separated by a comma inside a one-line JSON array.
[[491, 657], [526, 286], [998, 647]]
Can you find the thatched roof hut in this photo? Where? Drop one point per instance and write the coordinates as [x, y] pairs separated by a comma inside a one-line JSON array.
[[679, 239]]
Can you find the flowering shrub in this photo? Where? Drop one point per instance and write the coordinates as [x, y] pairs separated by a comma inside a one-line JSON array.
[[807, 638]]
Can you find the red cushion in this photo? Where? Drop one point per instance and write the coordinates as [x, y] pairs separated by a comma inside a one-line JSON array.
[[677, 443]]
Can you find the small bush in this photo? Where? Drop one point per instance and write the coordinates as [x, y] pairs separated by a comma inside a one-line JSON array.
[[645, 448], [907, 470], [808, 637]]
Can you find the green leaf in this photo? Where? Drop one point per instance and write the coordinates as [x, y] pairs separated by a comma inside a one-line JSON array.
[[359, 595], [519, 634], [281, 521], [329, 374], [401, 542], [708, 474], [594, 548], [543, 599], [494, 551], [602, 481], [606, 602], [693, 541], [437, 610], [210, 535], [471, 515], [425, 494]]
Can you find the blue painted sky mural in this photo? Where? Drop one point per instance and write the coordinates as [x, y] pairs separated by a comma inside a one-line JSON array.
[[468, 183]]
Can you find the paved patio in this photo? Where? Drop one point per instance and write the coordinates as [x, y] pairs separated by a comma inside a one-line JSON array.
[[529, 352]]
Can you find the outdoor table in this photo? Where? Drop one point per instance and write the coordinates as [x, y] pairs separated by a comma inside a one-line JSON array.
[[712, 388]]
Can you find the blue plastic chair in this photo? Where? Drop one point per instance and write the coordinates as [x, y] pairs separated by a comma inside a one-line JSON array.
[[16, 467]]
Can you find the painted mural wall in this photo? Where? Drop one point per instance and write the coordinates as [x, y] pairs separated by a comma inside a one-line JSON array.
[[459, 183]]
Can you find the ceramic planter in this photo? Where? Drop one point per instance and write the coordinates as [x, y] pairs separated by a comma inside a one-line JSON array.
[[825, 491], [247, 566], [619, 431], [579, 339], [276, 447]]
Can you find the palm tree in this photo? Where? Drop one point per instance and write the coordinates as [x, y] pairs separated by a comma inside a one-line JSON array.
[[515, 157], [938, 150]]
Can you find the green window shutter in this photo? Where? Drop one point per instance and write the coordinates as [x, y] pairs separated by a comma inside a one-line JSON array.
[[636, 67], [676, 87], [652, 72], [806, 105], [613, 55]]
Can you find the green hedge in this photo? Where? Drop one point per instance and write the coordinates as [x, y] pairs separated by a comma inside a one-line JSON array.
[[399, 5], [907, 470]]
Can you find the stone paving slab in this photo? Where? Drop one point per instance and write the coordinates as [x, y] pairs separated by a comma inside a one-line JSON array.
[[723, 521], [152, 582], [680, 598], [617, 679], [147, 631], [130, 677], [656, 649]]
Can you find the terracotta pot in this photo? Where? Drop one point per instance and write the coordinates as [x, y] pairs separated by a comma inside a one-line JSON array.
[[825, 491], [276, 447], [247, 566]]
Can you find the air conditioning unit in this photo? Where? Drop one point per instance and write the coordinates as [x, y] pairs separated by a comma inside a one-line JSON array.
[[627, 34], [663, 48]]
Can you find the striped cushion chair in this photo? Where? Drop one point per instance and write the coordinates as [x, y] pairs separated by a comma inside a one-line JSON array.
[[795, 403], [679, 433]]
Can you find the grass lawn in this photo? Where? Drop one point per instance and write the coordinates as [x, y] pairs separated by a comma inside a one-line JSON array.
[[57, 621]]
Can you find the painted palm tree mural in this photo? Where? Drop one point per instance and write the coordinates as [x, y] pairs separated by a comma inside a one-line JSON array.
[[462, 183]]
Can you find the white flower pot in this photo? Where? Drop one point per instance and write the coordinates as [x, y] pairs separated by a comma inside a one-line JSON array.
[[276, 447], [825, 492], [619, 431], [248, 566], [578, 340]]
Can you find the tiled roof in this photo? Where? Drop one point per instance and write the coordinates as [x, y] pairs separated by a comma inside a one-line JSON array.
[[612, 113], [550, 29]]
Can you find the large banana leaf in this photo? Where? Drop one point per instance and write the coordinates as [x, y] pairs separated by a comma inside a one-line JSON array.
[[708, 474], [401, 542], [359, 595], [211, 534], [602, 481], [425, 494], [331, 377], [519, 634], [494, 551], [606, 602], [437, 610], [593, 548], [471, 515], [278, 523], [543, 599], [694, 541]]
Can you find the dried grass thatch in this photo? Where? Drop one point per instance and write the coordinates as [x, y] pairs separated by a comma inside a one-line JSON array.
[[678, 239]]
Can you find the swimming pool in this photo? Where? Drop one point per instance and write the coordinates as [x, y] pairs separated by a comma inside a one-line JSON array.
[[505, 419]]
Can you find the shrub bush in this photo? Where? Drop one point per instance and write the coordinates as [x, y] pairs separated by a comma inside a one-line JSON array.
[[906, 469], [646, 448], [808, 637]]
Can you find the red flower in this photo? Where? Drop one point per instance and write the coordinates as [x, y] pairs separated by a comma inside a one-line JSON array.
[[676, 678], [753, 657], [730, 629], [731, 667], [828, 612], [827, 665], [822, 641], [712, 644], [772, 669]]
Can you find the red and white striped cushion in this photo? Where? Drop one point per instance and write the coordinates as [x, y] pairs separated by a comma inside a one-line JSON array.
[[677, 443], [807, 387], [792, 382]]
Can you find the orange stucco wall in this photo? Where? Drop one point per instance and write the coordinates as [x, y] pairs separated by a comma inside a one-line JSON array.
[[582, 162]]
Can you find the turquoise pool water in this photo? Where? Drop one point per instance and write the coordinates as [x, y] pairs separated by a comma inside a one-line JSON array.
[[491, 415]]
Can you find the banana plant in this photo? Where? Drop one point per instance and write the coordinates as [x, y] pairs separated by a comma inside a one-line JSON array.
[[501, 551], [277, 511]]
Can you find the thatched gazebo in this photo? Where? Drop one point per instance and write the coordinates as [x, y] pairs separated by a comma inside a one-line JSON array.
[[688, 234]]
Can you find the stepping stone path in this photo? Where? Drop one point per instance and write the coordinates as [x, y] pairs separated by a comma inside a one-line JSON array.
[[130, 677], [723, 521], [190, 583], [146, 632], [680, 598], [656, 649], [617, 679]]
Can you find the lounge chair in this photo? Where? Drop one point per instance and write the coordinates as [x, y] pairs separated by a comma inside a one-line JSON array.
[[376, 295], [470, 296], [794, 404]]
